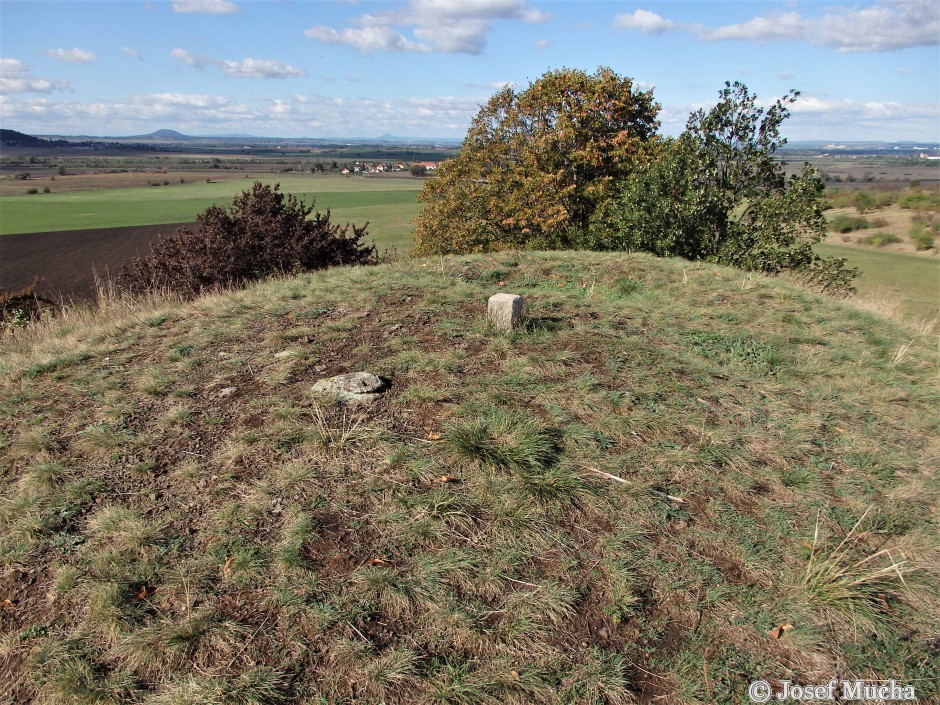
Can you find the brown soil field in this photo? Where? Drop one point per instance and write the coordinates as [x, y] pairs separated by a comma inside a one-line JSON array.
[[68, 261], [97, 180]]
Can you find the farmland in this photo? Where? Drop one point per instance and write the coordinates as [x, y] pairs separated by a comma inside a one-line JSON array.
[[111, 199], [387, 202], [106, 227]]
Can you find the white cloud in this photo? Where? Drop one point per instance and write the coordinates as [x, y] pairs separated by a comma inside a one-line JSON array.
[[133, 53], [646, 22], [245, 68], [450, 26], [297, 115], [205, 7], [366, 39], [542, 43], [781, 26], [73, 56], [188, 58], [885, 26], [15, 77], [898, 24], [825, 118], [261, 68]]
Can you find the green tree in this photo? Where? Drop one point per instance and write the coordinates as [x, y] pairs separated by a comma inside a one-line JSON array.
[[537, 163], [863, 201], [719, 193], [419, 170]]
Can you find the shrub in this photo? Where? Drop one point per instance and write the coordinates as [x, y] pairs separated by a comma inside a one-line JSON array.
[[881, 239], [922, 235], [863, 201], [920, 200], [17, 308], [263, 232], [32, 190], [845, 223]]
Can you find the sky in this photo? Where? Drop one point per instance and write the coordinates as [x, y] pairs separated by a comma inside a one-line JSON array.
[[866, 70]]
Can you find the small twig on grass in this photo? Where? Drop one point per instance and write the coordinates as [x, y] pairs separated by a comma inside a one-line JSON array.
[[608, 476], [521, 582], [361, 635], [248, 642]]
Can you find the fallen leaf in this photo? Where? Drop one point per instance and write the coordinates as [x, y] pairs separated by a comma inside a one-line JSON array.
[[433, 437], [501, 284], [514, 675], [379, 562], [7, 604], [227, 568], [780, 630], [142, 595], [449, 478]]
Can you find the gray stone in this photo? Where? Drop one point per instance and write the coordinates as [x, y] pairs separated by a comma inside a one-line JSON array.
[[505, 311], [352, 389], [227, 392]]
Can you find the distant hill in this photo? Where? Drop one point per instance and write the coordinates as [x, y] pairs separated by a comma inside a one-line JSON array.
[[165, 135], [12, 138]]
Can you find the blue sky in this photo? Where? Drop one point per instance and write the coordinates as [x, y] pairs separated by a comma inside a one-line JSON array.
[[867, 70]]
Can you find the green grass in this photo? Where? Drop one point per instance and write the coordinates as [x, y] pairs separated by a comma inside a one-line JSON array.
[[626, 500], [389, 204], [913, 280]]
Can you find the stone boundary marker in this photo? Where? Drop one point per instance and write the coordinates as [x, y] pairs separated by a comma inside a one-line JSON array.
[[505, 310]]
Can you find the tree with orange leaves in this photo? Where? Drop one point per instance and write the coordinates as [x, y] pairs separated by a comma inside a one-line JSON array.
[[537, 163]]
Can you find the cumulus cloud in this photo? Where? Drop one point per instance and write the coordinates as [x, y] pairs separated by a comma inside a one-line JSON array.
[[814, 117], [449, 26], [205, 7], [245, 68], [887, 25], [261, 68], [366, 39], [73, 56], [16, 77], [646, 22], [780, 26]]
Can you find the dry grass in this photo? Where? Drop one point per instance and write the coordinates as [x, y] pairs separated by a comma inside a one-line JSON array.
[[614, 504]]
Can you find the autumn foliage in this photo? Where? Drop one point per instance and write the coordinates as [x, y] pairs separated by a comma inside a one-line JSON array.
[[264, 232], [537, 163]]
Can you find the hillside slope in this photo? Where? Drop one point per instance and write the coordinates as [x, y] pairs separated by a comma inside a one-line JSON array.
[[675, 480]]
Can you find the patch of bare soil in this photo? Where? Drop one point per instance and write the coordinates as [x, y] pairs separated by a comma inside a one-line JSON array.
[[68, 261]]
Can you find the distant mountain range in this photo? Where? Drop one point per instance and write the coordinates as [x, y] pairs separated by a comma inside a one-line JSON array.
[[12, 138]]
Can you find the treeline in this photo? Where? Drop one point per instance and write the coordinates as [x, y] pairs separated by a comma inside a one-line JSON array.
[[575, 160]]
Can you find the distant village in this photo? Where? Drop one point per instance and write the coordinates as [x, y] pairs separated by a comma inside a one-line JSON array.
[[371, 168]]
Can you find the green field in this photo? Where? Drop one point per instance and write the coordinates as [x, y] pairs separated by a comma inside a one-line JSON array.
[[913, 279], [389, 204]]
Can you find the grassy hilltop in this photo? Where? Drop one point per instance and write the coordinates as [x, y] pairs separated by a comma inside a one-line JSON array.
[[676, 479]]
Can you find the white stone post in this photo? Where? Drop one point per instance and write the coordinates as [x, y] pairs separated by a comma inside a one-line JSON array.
[[505, 310]]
